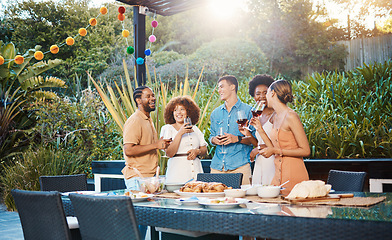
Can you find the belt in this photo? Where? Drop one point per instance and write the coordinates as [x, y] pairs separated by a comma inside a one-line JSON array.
[[181, 155]]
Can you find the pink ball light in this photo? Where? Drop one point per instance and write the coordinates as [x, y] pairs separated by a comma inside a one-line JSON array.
[[152, 38], [154, 24]]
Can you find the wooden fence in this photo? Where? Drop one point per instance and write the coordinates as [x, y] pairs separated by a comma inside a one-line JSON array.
[[367, 50]]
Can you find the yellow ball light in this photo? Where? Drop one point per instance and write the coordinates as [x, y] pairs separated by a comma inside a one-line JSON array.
[[93, 21], [38, 55], [69, 41], [54, 49], [1, 60], [103, 10], [19, 59], [82, 32], [125, 33]]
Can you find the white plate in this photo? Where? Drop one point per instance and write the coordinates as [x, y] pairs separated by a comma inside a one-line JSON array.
[[82, 192], [140, 199], [331, 191], [187, 201], [208, 204], [190, 194]]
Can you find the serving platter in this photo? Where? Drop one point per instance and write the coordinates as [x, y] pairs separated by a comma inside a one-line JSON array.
[[191, 194], [82, 192], [140, 199], [207, 203]]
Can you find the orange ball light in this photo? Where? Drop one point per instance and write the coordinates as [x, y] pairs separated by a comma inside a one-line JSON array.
[[103, 10], [54, 49], [1, 60], [19, 59], [38, 55], [69, 41], [92, 21], [82, 32], [121, 17], [125, 33]]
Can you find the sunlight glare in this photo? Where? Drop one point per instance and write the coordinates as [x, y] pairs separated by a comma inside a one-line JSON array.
[[224, 9]]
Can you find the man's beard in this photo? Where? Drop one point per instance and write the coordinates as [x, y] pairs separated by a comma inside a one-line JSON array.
[[147, 108]]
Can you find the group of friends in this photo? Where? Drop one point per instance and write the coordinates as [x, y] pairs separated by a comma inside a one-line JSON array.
[[275, 140]]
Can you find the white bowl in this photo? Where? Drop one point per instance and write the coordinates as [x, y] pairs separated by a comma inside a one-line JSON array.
[[171, 187], [235, 193], [251, 189], [268, 191]]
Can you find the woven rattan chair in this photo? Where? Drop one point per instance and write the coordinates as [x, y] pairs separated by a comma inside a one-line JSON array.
[[64, 183], [105, 217], [229, 179], [42, 216], [346, 181]]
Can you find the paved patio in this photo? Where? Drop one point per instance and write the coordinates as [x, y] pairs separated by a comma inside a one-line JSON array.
[[10, 227]]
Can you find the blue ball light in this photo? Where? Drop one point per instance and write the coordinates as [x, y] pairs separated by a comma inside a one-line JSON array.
[[139, 61], [147, 52]]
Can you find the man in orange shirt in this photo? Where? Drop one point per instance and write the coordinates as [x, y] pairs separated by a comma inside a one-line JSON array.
[[141, 139]]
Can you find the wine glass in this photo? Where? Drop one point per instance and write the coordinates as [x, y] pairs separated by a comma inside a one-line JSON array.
[[166, 136], [220, 136], [188, 125], [242, 119]]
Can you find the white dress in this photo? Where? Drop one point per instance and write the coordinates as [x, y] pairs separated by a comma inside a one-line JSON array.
[[179, 169], [264, 169]]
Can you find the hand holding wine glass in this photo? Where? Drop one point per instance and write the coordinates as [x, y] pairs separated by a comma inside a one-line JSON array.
[[220, 137], [242, 123], [167, 138]]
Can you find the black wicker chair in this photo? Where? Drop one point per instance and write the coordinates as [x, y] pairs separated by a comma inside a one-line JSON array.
[[346, 181], [42, 216], [105, 217], [64, 183], [229, 179]]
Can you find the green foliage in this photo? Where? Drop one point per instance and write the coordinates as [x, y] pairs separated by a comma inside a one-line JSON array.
[[348, 115], [82, 127], [219, 57], [26, 169], [165, 57]]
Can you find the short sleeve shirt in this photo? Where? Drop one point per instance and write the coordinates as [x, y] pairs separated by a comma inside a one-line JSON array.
[[139, 130]]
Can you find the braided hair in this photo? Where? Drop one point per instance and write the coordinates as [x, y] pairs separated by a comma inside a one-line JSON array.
[[137, 93]]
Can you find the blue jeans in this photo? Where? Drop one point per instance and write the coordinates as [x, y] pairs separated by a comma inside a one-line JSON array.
[[133, 184]]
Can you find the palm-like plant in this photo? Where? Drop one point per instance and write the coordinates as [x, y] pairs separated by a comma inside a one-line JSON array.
[[120, 103]]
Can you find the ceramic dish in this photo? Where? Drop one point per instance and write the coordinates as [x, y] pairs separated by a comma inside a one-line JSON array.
[[207, 203], [140, 199], [190, 194], [82, 192], [188, 201]]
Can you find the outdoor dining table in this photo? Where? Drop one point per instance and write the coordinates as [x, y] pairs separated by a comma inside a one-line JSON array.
[[276, 221]]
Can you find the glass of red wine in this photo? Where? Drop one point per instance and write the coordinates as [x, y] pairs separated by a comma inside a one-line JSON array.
[[220, 136], [241, 118], [258, 108]]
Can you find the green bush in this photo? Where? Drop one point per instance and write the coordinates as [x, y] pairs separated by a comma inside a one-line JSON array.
[[25, 170], [348, 115], [165, 57], [220, 57]]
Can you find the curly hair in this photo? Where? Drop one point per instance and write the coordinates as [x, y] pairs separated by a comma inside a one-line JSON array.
[[192, 110], [263, 79]]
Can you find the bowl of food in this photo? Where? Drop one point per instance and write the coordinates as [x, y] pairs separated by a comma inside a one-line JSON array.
[[151, 184], [235, 193], [250, 189], [268, 191], [171, 187]]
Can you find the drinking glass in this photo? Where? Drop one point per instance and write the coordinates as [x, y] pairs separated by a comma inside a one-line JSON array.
[[166, 136], [221, 135], [188, 124], [241, 118]]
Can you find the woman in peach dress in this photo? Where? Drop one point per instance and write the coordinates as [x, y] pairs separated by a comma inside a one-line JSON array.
[[288, 140]]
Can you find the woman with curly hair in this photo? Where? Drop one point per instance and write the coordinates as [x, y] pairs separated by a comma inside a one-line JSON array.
[[188, 141], [287, 141]]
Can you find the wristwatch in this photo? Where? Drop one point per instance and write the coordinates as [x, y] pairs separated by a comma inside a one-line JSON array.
[[239, 138]]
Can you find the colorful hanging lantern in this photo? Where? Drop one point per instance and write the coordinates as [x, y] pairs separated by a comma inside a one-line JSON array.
[[19, 59], [1, 60], [93, 21], [152, 38], [139, 61], [147, 52], [103, 10], [70, 41], [38, 55], [121, 17], [130, 50], [154, 24], [125, 33], [121, 9], [54, 49], [82, 32]]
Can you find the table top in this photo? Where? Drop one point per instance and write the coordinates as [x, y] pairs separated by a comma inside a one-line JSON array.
[[273, 220]]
